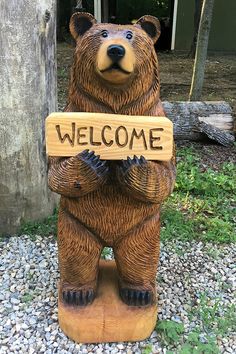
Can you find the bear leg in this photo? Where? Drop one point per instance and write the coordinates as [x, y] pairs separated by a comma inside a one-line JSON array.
[[79, 253], [137, 255]]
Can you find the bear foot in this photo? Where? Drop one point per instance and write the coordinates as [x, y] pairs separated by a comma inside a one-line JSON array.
[[78, 297], [133, 297]]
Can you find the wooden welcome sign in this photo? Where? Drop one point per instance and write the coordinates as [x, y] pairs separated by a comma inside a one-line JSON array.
[[112, 136]]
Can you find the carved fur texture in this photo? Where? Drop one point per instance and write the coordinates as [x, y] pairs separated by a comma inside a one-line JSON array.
[[111, 203]]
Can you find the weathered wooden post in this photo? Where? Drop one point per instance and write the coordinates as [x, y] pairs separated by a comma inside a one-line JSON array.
[[27, 94]]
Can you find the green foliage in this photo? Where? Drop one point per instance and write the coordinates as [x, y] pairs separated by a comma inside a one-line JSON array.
[[169, 331], [214, 317], [147, 349], [214, 320], [203, 203], [27, 298], [62, 73], [45, 227], [194, 345], [106, 252]]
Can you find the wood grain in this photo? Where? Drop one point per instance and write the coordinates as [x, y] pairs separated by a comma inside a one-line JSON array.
[[108, 319], [112, 136]]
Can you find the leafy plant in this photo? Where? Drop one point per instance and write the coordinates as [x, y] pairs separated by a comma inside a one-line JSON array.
[[213, 316], [147, 349], [194, 345], [106, 252], [169, 331], [27, 298]]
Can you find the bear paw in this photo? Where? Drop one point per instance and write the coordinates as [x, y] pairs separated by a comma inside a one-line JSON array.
[[78, 297], [134, 297]]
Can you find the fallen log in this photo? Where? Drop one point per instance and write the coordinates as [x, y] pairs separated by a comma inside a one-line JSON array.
[[196, 121]]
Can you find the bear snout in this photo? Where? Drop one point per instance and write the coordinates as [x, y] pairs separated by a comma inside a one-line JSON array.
[[116, 52], [115, 60]]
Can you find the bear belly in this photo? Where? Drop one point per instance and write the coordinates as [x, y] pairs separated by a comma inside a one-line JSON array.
[[108, 212]]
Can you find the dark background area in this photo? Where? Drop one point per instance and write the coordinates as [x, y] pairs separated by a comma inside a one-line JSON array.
[[120, 12]]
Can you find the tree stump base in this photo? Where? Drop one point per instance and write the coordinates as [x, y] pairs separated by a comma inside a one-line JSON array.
[[107, 319]]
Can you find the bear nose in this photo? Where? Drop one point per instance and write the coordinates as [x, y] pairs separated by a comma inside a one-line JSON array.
[[115, 52]]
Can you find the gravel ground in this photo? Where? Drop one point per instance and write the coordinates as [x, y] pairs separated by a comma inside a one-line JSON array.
[[28, 295]]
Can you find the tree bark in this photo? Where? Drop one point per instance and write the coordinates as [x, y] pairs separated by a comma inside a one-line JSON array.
[[201, 50], [197, 16], [196, 121], [28, 93]]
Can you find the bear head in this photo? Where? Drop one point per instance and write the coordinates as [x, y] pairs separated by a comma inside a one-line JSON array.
[[115, 63]]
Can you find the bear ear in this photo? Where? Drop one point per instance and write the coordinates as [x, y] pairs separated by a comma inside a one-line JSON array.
[[81, 22], [151, 25]]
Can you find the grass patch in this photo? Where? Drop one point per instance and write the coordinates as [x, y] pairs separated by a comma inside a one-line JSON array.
[[194, 345], [203, 204], [45, 227], [106, 253], [147, 349], [27, 298], [213, 316], [213, 320]]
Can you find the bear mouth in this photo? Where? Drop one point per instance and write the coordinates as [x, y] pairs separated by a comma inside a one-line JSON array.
[[117, 67]]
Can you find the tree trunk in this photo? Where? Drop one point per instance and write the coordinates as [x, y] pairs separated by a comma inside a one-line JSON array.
[[28, 93], [201, 50], [197, 121], [197, 16]]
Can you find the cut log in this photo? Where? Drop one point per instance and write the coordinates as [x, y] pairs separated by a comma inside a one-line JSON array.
[[188, 119], [28, 93]]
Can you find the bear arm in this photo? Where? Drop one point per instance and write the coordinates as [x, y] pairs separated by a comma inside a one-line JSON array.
[[70, 177], [152, 182]]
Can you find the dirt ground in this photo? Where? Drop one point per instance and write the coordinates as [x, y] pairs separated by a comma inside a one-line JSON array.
[[176, 74]]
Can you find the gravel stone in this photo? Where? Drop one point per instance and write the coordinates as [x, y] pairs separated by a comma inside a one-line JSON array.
[[28, 295]]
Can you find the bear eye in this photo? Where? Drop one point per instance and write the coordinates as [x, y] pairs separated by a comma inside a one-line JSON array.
[[129, 35], [104, 34]]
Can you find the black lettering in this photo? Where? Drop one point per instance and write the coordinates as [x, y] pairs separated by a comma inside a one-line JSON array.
[[105, 142], [92, 142], [154, 138], [117, 138], [79, 135], [138, 136], [66, 136]]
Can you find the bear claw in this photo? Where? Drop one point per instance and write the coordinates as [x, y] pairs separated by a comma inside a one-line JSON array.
[[131, 162], [136, 297], [78, 297], [94, 161]]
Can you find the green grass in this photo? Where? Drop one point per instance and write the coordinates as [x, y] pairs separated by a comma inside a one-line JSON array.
[[202, 206], [213, 316], [147, 349], [213, 320], [46, 227], [27, 298]]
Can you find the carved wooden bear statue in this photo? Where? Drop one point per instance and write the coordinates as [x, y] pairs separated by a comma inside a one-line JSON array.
[[111, 203]]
